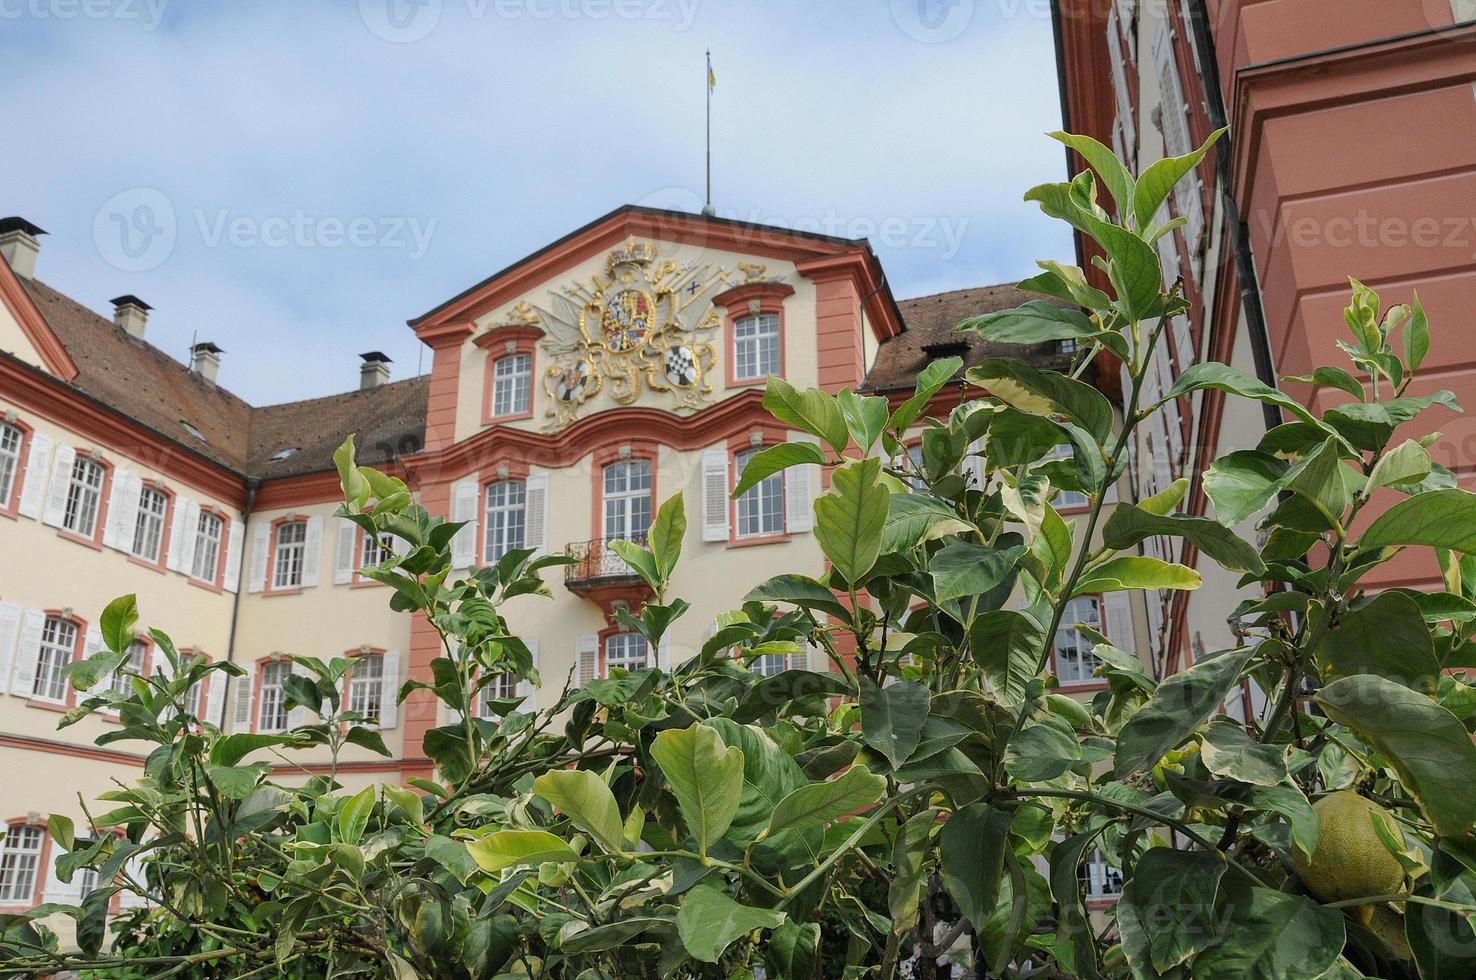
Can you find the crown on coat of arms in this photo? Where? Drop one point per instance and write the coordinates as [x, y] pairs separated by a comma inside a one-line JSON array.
[[632, 253]]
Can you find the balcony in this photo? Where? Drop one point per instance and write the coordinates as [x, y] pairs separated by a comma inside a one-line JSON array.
[[602, 576]]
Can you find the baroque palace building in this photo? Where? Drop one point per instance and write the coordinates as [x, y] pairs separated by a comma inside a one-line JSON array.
[[569, 394], [1352, 152]]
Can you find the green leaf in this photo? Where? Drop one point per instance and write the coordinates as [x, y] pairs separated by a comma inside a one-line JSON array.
[[913, 518], [1130, 525], [866, 417], [709, 921], [1371, 426], [961, 568], [892, 717], [503, 849], [1134, 269], [1066, 858], [766, 462], [1439, 519], [1036, 322], [1166, 879], [1229, 751], [62, 830], [1223, 377], [1117, 177], [1408, 462], [587, 801], [1122, 574], [407, 801], [1067, 282], [1416, 336], [1290, 802], [666, 534], [1427, 745], [802, 591], [819, 803], [971, 849], [774, 692], [1386, 636], [355, 487], [117, 622], [92, 923], [909, 869], [811, 410], [231, 749], [1159, 179], [769, 774], [1162, 503], [1318, 479], [367, 738], [930, 380], [1045, 393], [793, 950], [1441, 939], [1241, 483], [849, 518], [354, 816], [1007, 646], [1271, 935], [1332, 377], [236, 782], [641, 560], [610, 935], [706, 777], [1179, 705]]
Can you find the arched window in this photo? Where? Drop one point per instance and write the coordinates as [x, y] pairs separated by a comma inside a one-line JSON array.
[[290, 551], [512, 385], [756, 351]]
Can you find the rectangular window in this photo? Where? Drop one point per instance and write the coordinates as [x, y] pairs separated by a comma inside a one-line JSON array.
[[769, 664], [10, 447], [123, 683], [1066, 499], [507, 518], [20, 863], [291, 544], [761, 508], [512, 385], [58, 646], [84, 494], [755, 346], [207, 547], [628, 651], [271, 715], [148, 528], [503, 687], [366, 685], [1074, 659], [627, 494], [1097, 878], [376, 550]]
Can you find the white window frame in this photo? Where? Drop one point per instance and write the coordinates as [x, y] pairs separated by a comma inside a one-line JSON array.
[[757, 347], [1098, 879], [271, 696], [505, 513], [759, 513], [625, 657], [1075, 668], [210, 534], [148, 527], [20, 863], [84, 497], [366, 686], [11, 441], [291, 556], [374, 549], [503, 687], [58, 648], [512, 385], [627, 504], [769, 664], [138, 655]]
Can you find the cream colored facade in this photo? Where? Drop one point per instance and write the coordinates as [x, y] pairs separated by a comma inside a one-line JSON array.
[[825, 297]]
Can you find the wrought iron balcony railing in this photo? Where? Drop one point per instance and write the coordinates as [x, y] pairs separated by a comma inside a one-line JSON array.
[[597, 562]]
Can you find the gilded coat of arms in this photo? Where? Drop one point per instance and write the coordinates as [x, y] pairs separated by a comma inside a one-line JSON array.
[[643, 324]]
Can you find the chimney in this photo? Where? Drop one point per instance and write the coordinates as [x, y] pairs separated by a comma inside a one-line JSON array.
[[18, 245], [374, 371], [205, 361], [132, 314]]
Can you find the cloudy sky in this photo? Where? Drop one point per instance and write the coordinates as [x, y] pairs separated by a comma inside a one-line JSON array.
[[293, 180]]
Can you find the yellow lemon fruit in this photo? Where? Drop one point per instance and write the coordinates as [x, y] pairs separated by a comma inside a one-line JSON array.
[[1351, 861]]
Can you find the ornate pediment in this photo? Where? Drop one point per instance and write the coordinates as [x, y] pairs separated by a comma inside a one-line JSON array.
[[644, 324]]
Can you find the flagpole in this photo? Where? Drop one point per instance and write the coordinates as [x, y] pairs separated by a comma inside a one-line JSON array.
[[707, 84]]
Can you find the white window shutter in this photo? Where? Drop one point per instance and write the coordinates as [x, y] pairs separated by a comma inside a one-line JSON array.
[[715, 495], [816, 658], [799, 516], [32, 623], [312, 552], [260, 545], [212, 707], [91, 645], [234, 538], [587, 655], [464, 508], [389, 711], [61, 480], [118, 502], [344, 551], [525, 687], [1117, 619], [38, 463], [191, 526], [663, 652], [10, 624], [128, 899], [535, 514], [56, 890], [244, 689], [175, 560]]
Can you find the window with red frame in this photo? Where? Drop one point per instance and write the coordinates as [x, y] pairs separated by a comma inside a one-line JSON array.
[[20, 863], [1075, 662], [148, 526], [760, 510], [84, 497], [512, 385], [205, 563], [290, 553], [755, 346], [138, 654], [11, 439], [58, 647]]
